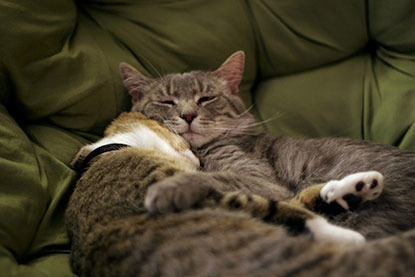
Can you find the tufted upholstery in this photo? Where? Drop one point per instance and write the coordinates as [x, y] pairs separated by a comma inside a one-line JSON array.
[[319, 67]]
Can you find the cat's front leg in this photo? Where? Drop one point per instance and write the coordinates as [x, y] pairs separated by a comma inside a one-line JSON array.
[[179, 192], [336, 196], [203, 189]]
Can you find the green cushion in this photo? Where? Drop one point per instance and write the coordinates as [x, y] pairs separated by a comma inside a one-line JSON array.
[[327, 100], [322, 68], [299, 35], [33, 194], [362, 97]]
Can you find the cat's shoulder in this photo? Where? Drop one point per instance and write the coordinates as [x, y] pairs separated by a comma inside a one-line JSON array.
[[126, 122]]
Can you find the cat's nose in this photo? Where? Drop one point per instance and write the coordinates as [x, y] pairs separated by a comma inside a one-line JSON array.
[[189, 117]]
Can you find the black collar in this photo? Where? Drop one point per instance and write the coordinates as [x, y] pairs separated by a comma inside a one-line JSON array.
[[100, 150]]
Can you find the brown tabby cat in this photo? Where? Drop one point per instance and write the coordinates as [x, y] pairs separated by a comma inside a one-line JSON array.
[[113, 234], [111, 192]]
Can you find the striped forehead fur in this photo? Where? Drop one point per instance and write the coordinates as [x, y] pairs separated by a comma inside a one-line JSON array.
[[194, 81], [193, 85]]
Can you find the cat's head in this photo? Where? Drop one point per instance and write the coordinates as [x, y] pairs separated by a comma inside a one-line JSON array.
[[199, 105], [136, 130]]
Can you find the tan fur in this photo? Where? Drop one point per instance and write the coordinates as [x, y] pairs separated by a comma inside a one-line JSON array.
[[79, 157], [127, 122], [308, 197]]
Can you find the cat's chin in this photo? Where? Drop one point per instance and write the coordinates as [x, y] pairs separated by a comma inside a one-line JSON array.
[[194, 139]]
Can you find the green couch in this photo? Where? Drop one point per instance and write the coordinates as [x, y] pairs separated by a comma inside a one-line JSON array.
[[315, 67]]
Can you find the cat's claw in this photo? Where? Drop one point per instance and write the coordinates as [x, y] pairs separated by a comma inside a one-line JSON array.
[[367, 185]]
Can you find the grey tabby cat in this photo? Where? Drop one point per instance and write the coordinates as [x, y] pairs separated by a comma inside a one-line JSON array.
[[113, 233], [205, 108]]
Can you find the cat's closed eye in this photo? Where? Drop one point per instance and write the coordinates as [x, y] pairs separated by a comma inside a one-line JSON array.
[[206, 100], [167, 103]]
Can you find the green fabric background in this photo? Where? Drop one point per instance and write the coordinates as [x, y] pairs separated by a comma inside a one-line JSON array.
[[322, 67]]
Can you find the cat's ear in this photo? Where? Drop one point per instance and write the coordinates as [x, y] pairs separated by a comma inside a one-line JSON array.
[[232, 70], [133, 80]]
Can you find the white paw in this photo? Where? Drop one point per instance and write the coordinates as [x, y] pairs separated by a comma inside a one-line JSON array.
[[367, 185], [324, 231]]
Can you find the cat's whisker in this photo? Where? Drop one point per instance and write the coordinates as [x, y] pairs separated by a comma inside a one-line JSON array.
[[231, 130], [225, 129], [272, 117], [246, 111], [260, 123]]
